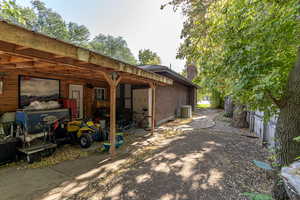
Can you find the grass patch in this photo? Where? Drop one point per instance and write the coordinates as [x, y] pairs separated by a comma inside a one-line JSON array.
[[203, 105]]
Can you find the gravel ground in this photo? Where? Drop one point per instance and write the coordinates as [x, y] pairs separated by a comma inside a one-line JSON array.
[[210, 163]]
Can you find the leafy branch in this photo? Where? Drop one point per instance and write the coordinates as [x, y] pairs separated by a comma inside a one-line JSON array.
[[279, 102]]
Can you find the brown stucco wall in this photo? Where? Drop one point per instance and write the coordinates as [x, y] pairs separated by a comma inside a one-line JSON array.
[[168, 99]]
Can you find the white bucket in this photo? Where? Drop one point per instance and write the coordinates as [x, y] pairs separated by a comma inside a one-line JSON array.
[[102, 123]]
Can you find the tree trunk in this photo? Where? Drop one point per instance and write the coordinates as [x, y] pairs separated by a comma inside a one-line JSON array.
[[239, 119], [288, 125], [228, 107]]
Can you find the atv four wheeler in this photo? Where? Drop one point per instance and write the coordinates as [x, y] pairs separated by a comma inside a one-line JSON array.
[[84, 132]]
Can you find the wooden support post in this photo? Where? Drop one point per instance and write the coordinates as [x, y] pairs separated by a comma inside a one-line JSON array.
[[153, 122], [113, 81], [112, 132]]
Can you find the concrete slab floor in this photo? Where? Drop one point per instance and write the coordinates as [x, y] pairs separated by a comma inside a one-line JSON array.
[[26, 184]]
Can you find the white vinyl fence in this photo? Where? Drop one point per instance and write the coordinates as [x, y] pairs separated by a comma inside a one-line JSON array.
[[264, 130]]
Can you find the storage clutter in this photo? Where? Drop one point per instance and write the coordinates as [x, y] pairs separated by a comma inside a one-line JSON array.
[[70, 104], [34, 132], [8, 142], [54, 111]]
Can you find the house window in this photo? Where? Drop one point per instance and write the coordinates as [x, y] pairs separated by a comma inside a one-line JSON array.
[[100, 94]]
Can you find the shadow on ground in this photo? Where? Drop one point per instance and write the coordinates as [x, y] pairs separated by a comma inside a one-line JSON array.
[[198, 164]]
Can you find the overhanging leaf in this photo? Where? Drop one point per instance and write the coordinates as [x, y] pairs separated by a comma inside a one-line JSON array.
[[297, 139]]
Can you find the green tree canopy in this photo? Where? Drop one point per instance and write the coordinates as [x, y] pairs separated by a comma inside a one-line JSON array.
[[115, 47], [12, 12], [78, 34], [42, 19], [147, 57], [49, 22], [243, 47]]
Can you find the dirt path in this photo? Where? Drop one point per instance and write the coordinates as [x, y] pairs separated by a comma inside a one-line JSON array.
[[210, 164]]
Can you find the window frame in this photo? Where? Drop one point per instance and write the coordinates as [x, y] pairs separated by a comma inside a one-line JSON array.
[[97, 93]]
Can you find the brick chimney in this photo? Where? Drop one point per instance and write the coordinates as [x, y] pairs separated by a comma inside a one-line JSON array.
[[191, 71]]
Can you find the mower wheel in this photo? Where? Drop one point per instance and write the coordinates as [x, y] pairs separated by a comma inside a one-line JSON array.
[[33, 158], [29, 159], [85, 140]]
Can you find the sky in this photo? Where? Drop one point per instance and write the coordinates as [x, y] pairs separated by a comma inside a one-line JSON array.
[[140, 22]]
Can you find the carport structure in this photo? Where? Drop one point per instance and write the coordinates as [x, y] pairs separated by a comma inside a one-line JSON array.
[[22, 50]]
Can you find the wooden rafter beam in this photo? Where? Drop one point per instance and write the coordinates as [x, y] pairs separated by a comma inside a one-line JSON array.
[[74, 64], [58, 56], [139, 79], [13, 60], [54, 67], [62, 73], [48, 60], [20, 48], [77, 72]]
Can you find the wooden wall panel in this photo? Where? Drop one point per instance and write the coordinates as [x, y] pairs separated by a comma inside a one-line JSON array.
[[9, 98]]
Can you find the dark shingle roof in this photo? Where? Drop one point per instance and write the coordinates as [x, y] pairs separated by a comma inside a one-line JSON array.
[[166, 71]]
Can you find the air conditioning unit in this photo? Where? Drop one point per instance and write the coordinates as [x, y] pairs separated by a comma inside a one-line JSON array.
[[186, 111]]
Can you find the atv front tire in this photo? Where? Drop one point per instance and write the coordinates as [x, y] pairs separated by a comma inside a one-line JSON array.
[[85, 140]]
